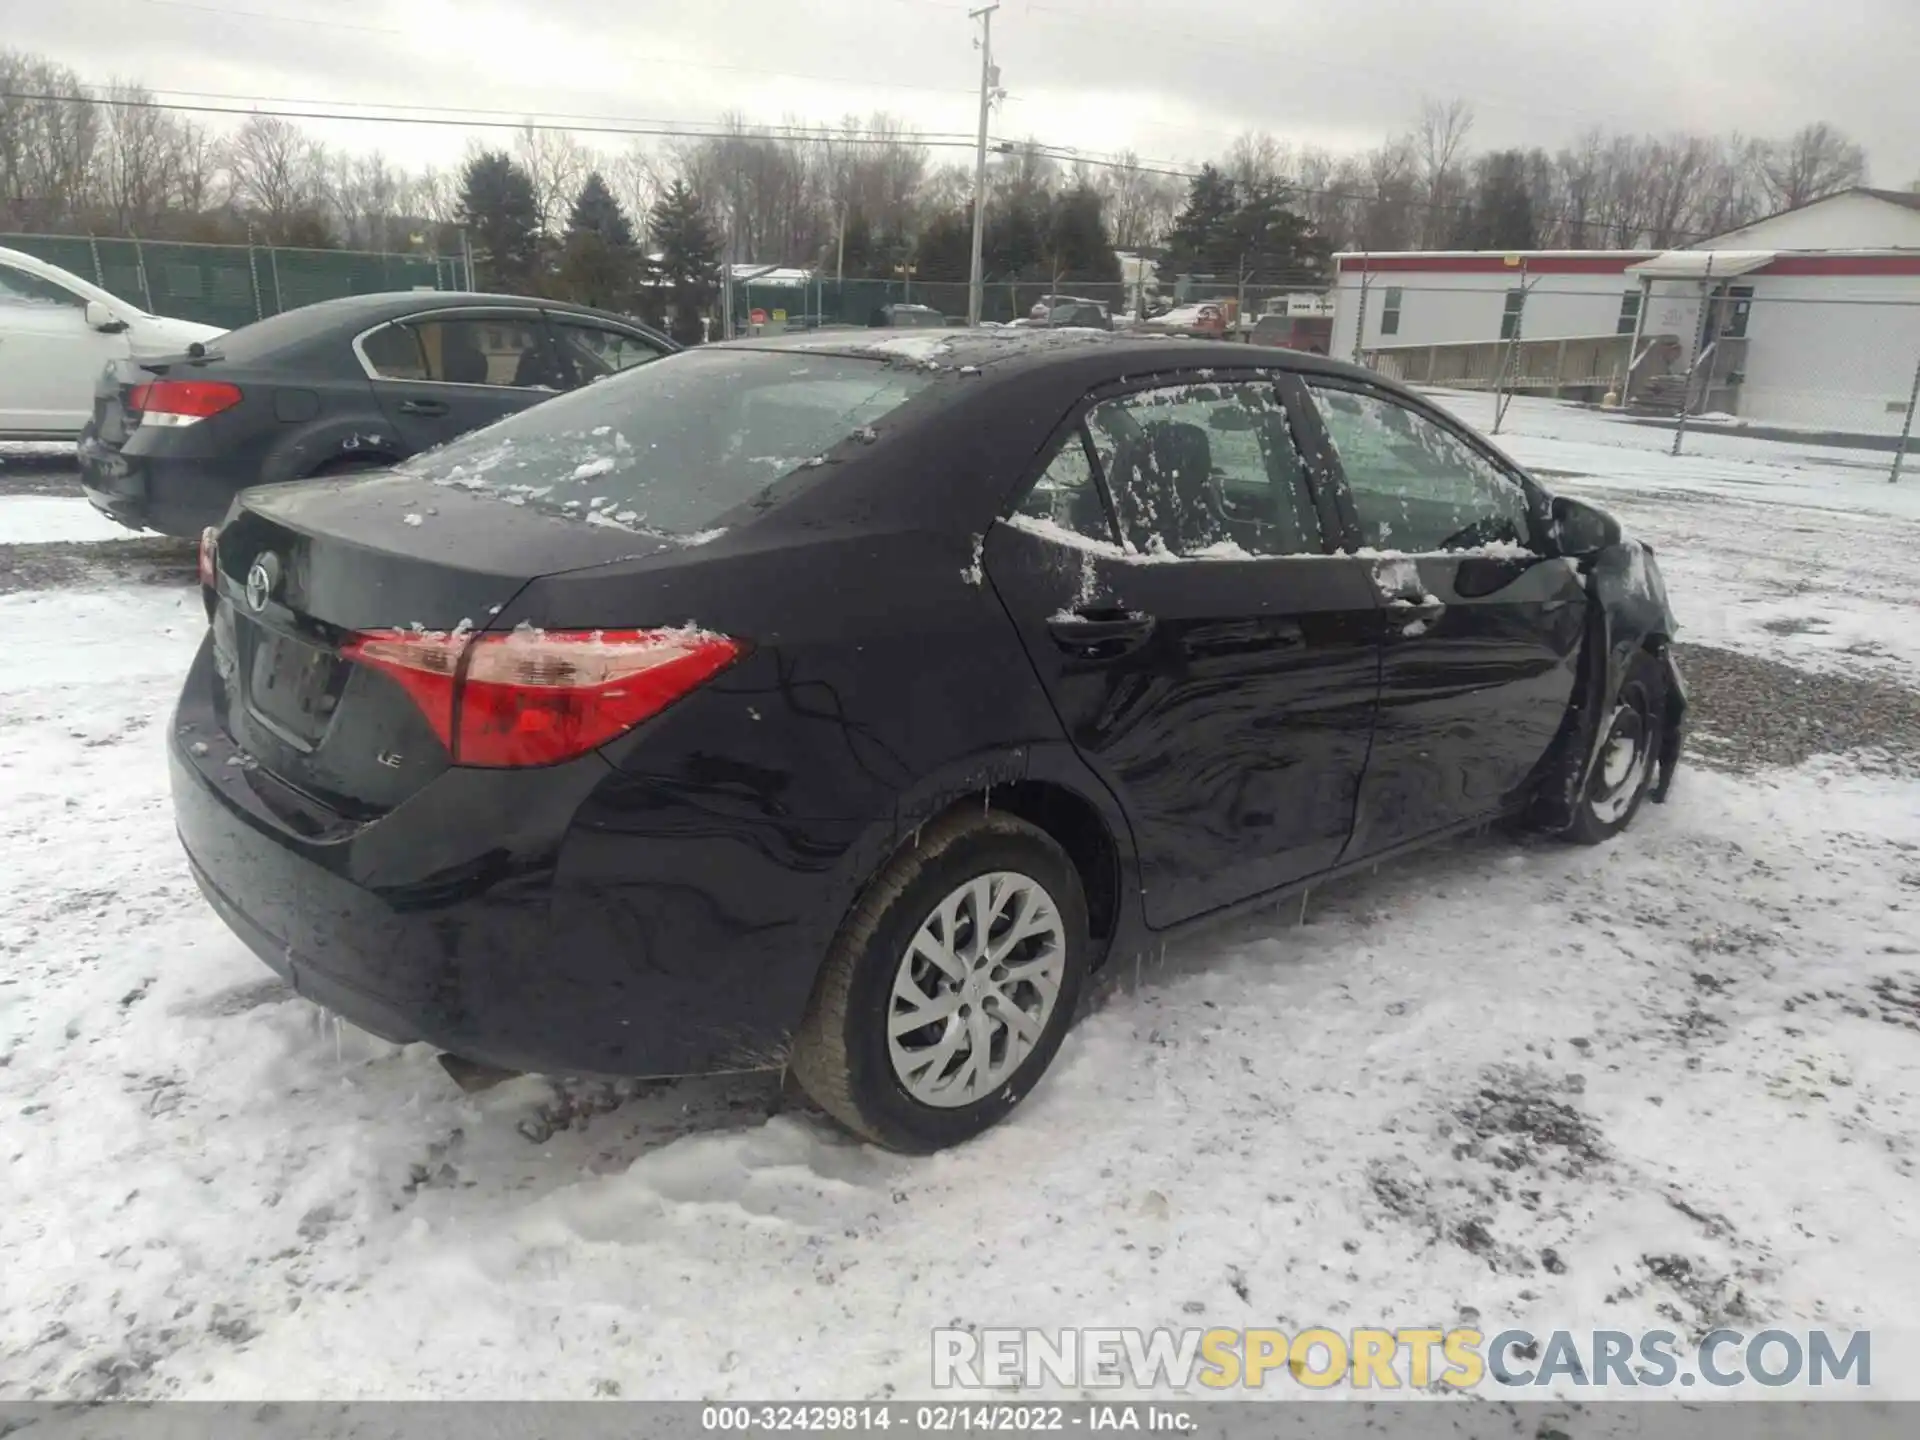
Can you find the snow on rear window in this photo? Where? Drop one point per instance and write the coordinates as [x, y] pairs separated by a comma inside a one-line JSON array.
[[668, 448]]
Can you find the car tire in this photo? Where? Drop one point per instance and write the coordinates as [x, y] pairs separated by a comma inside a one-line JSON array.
[[1629, 757], [919, 1090]]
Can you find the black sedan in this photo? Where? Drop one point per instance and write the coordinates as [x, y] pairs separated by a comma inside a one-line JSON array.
[[352, 384], [844, 704]]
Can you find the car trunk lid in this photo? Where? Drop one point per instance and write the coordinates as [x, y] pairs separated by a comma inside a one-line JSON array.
[[303, 569]]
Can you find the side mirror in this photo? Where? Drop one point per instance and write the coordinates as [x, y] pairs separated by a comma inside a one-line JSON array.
[[1580, 529], [100, 318]]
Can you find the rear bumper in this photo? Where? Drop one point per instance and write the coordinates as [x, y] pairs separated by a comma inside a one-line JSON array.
[[572, 920], [152, 492]]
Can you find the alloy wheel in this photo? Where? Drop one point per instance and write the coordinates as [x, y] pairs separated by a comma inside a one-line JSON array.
[[1625, 760], [975, 988]]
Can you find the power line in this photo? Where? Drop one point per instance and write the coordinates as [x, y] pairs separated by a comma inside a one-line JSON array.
[[520, 117], [684, 130], [608, 126]]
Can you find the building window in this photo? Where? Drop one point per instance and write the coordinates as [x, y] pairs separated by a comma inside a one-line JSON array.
[[1390, 312], [1510, 319], [1734, 308], [1629, 313]]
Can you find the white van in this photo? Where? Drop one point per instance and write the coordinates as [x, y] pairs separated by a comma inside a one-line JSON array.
[[57, 334]]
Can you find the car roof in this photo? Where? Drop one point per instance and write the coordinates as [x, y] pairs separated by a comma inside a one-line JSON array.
[[1009, 351], [327, 324], [391, 304]]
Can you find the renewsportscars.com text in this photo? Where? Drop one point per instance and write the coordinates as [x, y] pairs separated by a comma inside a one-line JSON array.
[[1382, 1359]]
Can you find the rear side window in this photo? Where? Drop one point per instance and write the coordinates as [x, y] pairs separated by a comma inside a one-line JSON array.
[[478, 351], [669, 448], [394, 353], [1067, 494], [1208, 470], [589, 352]]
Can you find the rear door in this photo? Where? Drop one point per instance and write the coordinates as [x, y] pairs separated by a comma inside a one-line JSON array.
[[440, 375], [1481, 628], [1169, 571]]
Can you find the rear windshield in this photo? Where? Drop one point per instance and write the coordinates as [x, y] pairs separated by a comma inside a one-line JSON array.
[[668, 448]]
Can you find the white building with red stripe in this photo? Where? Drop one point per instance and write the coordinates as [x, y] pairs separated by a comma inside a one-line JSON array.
[[1807, 318]]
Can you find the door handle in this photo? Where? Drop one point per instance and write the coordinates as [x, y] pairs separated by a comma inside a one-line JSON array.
[[1424, 607], [422, 407], [1091, 630]]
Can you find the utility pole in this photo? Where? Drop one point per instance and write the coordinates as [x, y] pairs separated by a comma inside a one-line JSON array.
[[989, 81]]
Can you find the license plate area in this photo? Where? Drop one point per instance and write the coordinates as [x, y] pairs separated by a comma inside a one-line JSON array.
[[292, 686]]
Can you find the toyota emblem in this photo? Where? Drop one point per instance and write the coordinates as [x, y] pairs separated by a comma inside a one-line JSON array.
[[261, 579]]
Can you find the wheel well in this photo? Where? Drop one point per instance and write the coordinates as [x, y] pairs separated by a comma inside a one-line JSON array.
[[1080, 831], [355, 460]]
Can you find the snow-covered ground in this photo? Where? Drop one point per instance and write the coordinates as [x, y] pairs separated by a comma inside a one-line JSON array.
[[1670, 1083], [38, 519], [1801, 553]]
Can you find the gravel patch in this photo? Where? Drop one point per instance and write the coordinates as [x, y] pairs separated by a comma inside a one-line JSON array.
[[1752, 714], [38, 475], [142, 559]]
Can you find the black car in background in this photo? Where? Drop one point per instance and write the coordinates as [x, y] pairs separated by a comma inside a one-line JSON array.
[[907, 317], [839, 704], [352, 384]]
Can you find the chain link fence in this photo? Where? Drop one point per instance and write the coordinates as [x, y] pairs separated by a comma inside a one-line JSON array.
[[824, 301], [1820, 362], [233, 285]]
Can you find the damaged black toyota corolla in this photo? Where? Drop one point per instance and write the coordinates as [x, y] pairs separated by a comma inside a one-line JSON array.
[[844, 705]]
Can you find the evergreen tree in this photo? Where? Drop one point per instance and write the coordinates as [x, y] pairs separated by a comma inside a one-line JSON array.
[[945, 251], [861, 258], [1200, 242], [497, 205], [1078, 242], [1268, 243], [596, 212], [599, 265], [1015, 245], [689, 258]]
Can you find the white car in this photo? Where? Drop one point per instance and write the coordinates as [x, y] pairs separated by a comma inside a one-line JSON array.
[[57, 334]]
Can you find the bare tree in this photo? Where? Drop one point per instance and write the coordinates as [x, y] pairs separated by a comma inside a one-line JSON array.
[[369, 198], [277, 176], [1678, 167], [196, 168], [134, 175], [1139, 203], [434, 195], [1256, 158], [559, 164], [1817, 161], [49, 134], [1440, 138], [1389, 179], [638, 178]]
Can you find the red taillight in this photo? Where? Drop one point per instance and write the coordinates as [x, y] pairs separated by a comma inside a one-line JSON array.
[[536, 697], [209, 556], [181, 402]]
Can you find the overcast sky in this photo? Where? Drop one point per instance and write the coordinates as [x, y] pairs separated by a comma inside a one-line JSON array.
[[1173, 81]]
